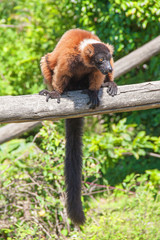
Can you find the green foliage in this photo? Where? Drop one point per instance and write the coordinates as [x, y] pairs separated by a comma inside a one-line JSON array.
[[125, 214], [123, 218], [112, 150], [153, 177], [121, 22], [30, 30], [32, 177], [149, 181], [32, 187]]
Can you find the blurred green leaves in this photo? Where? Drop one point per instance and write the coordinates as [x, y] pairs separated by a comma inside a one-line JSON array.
[[28, 30]]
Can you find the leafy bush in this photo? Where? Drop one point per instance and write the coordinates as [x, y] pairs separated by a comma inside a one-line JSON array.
[[122, 218], [119, 150], [31, 28], [32, 199]]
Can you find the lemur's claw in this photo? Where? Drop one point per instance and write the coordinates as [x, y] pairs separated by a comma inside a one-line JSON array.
[[112, 88], [93, 98], [52, 95]]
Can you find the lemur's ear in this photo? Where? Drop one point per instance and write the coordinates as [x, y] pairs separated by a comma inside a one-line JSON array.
[[89, 50], [110, 47]]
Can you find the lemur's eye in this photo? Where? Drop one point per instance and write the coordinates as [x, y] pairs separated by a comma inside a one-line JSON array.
[[101, 59]]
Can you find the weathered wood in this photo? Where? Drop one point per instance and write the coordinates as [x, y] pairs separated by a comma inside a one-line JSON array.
[[35, 108], [137, 57], [14, 130]]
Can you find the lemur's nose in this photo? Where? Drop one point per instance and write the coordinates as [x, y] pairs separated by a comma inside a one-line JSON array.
[[110, 69]]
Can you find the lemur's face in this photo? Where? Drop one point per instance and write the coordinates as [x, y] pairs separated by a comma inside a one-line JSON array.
[[102, 62]]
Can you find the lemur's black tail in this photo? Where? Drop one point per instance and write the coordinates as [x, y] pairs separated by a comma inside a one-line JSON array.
[[73, 169]]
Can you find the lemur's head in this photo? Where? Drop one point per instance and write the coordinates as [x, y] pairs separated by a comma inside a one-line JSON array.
[[97, 54]]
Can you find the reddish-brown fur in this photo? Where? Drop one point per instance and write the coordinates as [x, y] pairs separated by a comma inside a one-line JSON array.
[[56, 66], [75, 65]]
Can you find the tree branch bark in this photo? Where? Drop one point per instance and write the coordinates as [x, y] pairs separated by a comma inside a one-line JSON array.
[[137, 57], [14, 130], [74, 104]]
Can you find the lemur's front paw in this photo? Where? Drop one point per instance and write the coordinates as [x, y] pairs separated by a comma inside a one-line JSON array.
[[112, 88], [52, 95], [93, 99]]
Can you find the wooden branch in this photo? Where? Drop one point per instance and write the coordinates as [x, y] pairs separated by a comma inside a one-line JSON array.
[[14, 130], [122, 66], [137, 57], [35, 108]]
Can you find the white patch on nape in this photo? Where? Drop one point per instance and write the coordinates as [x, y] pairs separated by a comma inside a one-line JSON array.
[[85, 42]]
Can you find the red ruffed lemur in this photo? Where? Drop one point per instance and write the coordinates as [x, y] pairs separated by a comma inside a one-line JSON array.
[[79, 61]]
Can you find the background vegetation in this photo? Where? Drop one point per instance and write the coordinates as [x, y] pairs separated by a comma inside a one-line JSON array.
[[121, 172]]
